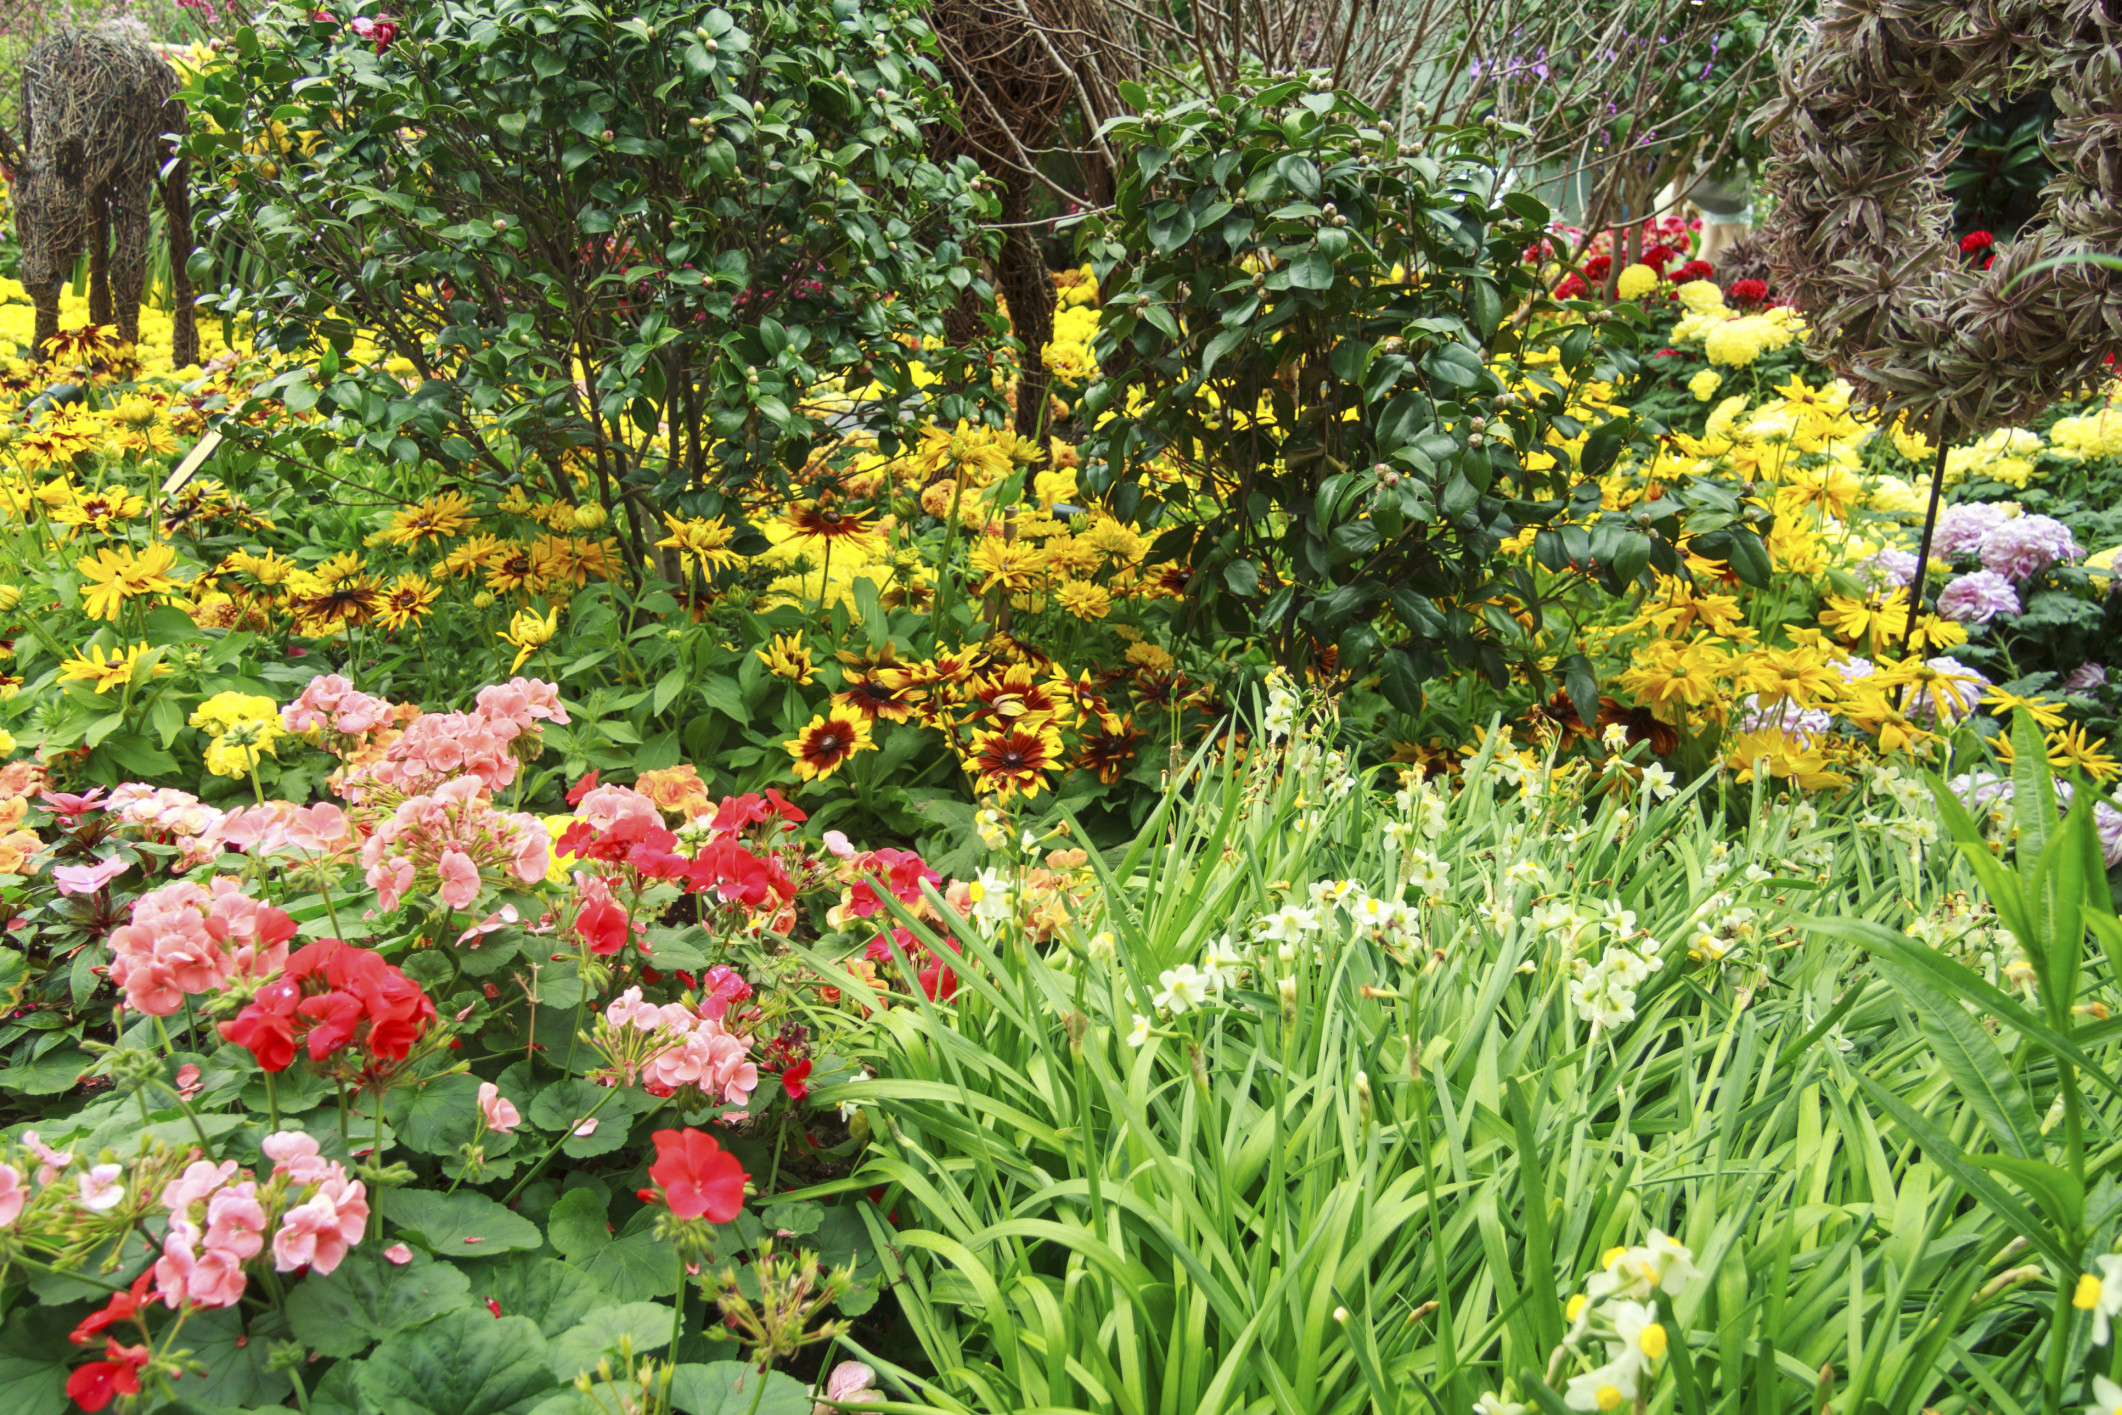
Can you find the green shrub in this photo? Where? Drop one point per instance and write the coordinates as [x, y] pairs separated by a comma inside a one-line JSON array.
[[581, 225]]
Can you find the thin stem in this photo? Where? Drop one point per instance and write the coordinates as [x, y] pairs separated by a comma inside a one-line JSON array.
[[1915, 588]]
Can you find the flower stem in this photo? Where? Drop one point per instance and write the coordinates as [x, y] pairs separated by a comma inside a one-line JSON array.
[[546, 1158], [272, 1100]]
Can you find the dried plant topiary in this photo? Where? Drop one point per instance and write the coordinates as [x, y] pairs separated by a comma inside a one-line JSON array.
[[95, 106], [1860, 231]]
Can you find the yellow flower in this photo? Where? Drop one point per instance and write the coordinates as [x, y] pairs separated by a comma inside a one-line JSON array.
[[1705, 384], [114, 576], [1011, 565], [1084, 599], [705, 542], [1701, 296], [90, 666], [407, 601], [2004, 704], [222, 712], [2069, 748], [7, 744], [786, 656], [1635, 282], [442, 517], [99, 510], [1801, 676], [827, 742], [528, 632], [1147, 655]]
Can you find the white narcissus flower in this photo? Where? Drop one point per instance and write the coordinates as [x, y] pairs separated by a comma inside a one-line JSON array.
[[1491, 1403], [2100, 1293], [2107, 1398], [1606, 1389], [1184, 988], [1658, 781], [1221, 963], [1140, 1034], [1641, 1338]]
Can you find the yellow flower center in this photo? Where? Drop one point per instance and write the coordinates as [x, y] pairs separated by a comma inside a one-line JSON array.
[[1609, 1398], [2087, 1296], [1652, 1341]]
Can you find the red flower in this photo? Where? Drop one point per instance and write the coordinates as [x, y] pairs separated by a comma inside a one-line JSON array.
[[603, 926], [1572, 288], [903, 872], [1597, 267], [1748, 292], [99, 1382], [938, 981], [796, 1080], [1693, 270], [1976, 241], [334, 1017], [696, 1178], [582, 788], [122, 1307], [266, 1028]]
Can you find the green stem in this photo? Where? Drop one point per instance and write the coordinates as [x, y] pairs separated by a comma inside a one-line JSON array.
[[272, 1101], [677, 1324], [546, 1158]]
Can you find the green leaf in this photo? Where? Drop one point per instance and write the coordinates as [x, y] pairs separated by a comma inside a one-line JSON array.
[[729, 1388], [1311, 271], [49, 1074], [668, 687], [33, 1365], [577, 1227], [551, 1293], [634, 1268], [646, 1324], [460, 1225], [1978, 1069], [368, 1299], [466, 1362], [436, 1116], [234, 1358], [723, 694]]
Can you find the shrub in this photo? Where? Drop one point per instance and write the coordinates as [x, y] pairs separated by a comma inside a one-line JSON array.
[[667, 236]]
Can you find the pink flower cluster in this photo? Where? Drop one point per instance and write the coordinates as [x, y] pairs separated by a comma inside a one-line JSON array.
[[704, 1055], [604, 807], [219, 1216], [490, 743], [280, 826], [331, 703], [187, 939], [165, 813], [445, 838], [330, 1219]]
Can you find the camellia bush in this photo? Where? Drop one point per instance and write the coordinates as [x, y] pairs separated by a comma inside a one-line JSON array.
[[679, 246], [1323, 371]]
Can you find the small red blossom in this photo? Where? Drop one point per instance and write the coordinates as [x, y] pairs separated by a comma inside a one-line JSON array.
[[695, 1177], [100, 1382], [122, 1307], [1976, 241], [603, 926], [796, 1080], [1748, 292]]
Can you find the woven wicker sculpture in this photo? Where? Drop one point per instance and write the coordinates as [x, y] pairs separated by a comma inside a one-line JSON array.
[[95, 104], [1860, 231]]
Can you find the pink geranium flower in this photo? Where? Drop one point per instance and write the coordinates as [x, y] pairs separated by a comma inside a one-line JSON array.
[[500, 1113]]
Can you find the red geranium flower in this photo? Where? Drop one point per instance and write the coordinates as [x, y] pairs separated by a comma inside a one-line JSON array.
[[1693, 270], [695, 1177], [796, 1080], [1976, 241], [122, 1307], [100, 1382], [603, 926]]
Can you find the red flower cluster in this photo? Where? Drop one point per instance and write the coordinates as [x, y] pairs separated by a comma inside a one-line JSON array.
[[695, 1177], [1748, 292], [902, 872], [1659, 256], [737, 812], [333, 995], [1976, 241], [1693, 270]]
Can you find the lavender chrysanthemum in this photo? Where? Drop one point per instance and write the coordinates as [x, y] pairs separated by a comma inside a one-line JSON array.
[[2085, 677], [1892, 568], [1806, 724], [2023, 547], [1963, 527], [1978, 598]]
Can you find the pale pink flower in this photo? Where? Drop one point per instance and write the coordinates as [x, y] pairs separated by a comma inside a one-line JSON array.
[[87, 879], [235, 1221], [50, 1161], [851, 1383], [199, 1180], [309, 1237], [13, 1195], [500, 918], [100, 1190], [840, 847], [587, 1128], [187, 939], [295, 1155], [320, 829], [188, 1083], [499, 1111], [605, 806], [397, 1255], [459, 878]]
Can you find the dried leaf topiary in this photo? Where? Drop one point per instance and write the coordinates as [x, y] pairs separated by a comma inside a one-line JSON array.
[[1860, 232]]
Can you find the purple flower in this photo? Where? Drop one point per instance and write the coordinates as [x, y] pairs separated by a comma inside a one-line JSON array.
[[1978, 598], [1853, 668], [1958, 693], [2107, 823], [2085, 677], [1896, 568], [1806, 724], [2022, 548], [1961, 528]]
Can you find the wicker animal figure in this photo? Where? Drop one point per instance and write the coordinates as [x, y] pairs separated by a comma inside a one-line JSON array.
[[95, 106]]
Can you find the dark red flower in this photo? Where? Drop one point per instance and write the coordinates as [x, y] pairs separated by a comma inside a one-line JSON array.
[[1572, 288], [100, 1382], [1976, 241], [334, 1017], [938, 982], [1597, 267], [1748, 292], [695, 1177], [1693, 270], [796, 1080], [265, 1034]]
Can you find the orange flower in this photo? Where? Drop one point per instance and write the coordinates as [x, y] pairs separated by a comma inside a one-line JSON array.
[[1014, 759], [826, 743]]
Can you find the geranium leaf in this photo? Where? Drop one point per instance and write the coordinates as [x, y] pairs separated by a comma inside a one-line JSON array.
[[369, 1299]]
